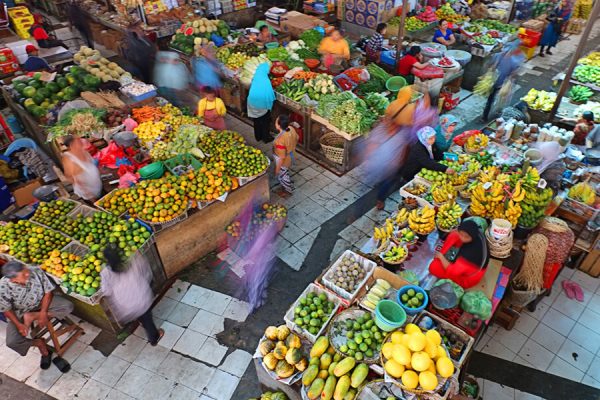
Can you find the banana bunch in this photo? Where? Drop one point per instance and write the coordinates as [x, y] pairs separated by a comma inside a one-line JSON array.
[[531, 178], [443, 192], [459, 179], [417, 189], [448, 216], [406, 235], [401, 217], [395, 254], [477, 142], [488, 174], [471, 167], [485, 203], [422, 220], [534, 207], [485, 84], [583, 192], [512, 212], [385, 232], [518, 193]]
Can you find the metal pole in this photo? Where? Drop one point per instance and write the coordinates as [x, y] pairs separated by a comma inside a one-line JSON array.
[[582, 41], [401, 30]]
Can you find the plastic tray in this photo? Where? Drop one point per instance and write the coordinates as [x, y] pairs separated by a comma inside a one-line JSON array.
[[367, 265], [295, 376], [289, 315]]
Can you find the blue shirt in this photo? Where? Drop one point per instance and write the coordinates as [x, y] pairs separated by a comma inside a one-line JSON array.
[[438, 34], [34, 63]]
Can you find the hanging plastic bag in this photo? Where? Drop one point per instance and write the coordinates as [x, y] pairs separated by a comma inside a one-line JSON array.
[[477, 303]]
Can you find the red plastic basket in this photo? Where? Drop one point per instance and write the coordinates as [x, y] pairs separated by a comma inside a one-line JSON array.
[[530, 38]]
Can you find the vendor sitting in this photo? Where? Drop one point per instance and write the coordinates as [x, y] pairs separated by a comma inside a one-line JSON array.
[[334, 49], [35, 62], [443, 35], [463, 257], [375, 44], [445, 133], [412, 59], [265, 35], [26, 298], [420, 155], [583, 127]]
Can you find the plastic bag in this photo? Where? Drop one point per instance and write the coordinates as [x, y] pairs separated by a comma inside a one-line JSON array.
[[108, 156], [458, 290], [462, 138], [477, 303], [409, 276]]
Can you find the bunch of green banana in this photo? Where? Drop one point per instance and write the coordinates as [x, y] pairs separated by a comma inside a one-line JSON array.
[[534, 207], [448, 216], [395, 254]]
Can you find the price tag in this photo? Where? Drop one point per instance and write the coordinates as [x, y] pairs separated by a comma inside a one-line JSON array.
[[487, 185], [542, 184]]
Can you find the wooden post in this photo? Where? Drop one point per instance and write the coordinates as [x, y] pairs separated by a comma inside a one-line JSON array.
[[582, 42], [401, 30]]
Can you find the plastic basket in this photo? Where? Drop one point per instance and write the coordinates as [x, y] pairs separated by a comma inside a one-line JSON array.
[[182, 164], [366, 264], [244, 180], [289, 315], [530, 38], [347, 78], [332, 152], [159, 226]]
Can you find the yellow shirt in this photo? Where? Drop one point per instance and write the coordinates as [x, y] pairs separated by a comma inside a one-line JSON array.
[[217, 104], [338, 48]]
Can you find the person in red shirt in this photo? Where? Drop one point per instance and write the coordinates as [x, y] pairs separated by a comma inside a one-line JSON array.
[[43, 39], [412, 58]]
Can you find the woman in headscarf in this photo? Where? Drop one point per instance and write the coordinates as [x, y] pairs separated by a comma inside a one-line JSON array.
[[463, 257], [260, 102], [445, 133], [421, 155]]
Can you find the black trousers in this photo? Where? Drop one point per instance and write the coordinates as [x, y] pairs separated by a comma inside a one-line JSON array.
[[262, 127], [490, 101], [49, 43], [149, 326]]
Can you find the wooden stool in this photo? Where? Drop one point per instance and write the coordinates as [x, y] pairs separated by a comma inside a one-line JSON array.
[[55, 329]]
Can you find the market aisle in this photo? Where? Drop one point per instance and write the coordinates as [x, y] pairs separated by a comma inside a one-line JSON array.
[[188, 363]]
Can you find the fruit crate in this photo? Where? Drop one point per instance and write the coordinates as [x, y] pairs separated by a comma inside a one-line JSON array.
[[182, 164], [101, 200], [416, 181], [367, 265], [579, 208], [457, 358], [159, 226], [294, 105], [92, 300], [141, 97], [295, 376], [289, 315], [64, 199], [244, 180]]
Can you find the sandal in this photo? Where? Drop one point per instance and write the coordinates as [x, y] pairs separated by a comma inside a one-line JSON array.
[[62, 364], [46, 360], [568, 289], [161, 333], [577, 290]]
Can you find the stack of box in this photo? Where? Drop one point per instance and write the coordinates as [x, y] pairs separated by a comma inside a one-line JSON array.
[[367, 13], [227, 6], [8, 61], [295, 23], [213, 7], [21, 20]]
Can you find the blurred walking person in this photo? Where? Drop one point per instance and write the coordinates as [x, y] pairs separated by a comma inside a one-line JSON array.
[[81, 170], [206, 69], [126, 287], [171, 77], [140, 53], [79, 21]]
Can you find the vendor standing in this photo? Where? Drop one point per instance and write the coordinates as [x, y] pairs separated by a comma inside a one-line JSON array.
[[463, 257], [334, 49], [412, 59], [445, 133], [443, 35], [81, 170], [420, 156], [375, 43], [261, 97]]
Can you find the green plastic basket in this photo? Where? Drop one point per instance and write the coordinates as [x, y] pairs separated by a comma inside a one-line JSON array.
[[152, 171], [271, 45], [182, 164], [395, 83]]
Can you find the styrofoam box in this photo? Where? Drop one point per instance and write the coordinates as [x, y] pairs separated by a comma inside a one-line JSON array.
[[417, 180], [289, 315], [367, 265]]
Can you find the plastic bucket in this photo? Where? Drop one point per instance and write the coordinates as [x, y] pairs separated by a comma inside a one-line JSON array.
[[500, 228], [417, 289], [389, 315], [395, 83]]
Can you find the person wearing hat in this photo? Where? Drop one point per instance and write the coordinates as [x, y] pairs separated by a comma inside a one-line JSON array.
[[34, 62], [388, 143]]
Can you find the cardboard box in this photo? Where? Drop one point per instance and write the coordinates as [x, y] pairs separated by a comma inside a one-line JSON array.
[[295, 23], [23, 194], [381, 273], [367, 13]]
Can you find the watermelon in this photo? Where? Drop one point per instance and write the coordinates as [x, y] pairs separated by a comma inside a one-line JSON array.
[[70, 93], [62, 82], [29, 91], [45, 93], [19, 87], [38, 111], [35, 84], [38, 98], [53, 87], [70, 78], [91, 81]]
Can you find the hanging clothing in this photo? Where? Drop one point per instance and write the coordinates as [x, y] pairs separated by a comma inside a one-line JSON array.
[[87, 183], [213, 113]]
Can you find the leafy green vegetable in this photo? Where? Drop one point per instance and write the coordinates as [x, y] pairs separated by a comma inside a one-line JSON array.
[[377, 102], [347, 112], [277, 54], [311, 39], [305, 54], [374, 85], [377, 72]]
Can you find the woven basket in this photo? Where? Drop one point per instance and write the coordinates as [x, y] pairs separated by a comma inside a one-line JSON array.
[[332, 152], [499, 248], [520, 298], [554, 224]]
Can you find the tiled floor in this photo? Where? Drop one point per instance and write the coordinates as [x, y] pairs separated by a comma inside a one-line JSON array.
[[561, 337], [188, 363]]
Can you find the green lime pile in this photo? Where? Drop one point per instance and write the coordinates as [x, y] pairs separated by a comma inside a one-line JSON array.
[[54, 213], [312, 312], [412, 298], [30, 243], [84, 277], [364, 338]]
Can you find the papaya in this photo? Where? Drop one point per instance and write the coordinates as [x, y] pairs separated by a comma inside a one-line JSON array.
[[323, 374], [319, 347], [331, 368], [350, 395], [271, 333], [301, 365], [331, 350], [342, 387], [310, 375], [315, 361], [280, 351], [293, 341], [314, 392], [283, 369], [329, 387], [344, 366], [293, 356], [270, 361], [265, 347], [359, 375], [337, 357], [282, 332], [326, 361]]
